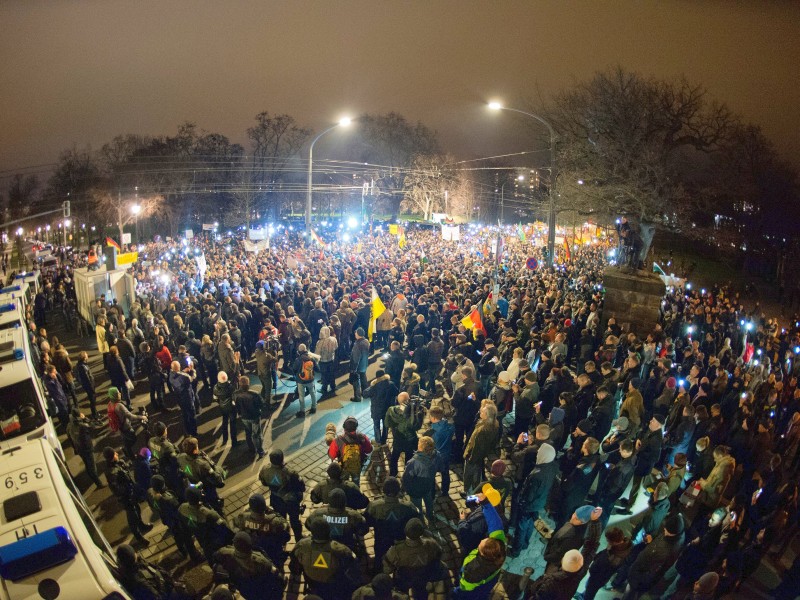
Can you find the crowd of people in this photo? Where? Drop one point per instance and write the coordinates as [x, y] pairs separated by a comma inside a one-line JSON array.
[[555, 416]]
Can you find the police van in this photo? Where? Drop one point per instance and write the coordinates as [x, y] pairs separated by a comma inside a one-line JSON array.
[[19, 291], [23, 398], [50, 545], [32, 278]]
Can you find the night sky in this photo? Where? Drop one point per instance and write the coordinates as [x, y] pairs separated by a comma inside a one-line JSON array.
[[76, 72]]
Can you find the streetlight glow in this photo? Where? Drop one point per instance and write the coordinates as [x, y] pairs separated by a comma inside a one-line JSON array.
[[495, 105], [135, 209], [67, 223], [345, 121]]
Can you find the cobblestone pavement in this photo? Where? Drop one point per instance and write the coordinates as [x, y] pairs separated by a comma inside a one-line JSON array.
[[303, 444]]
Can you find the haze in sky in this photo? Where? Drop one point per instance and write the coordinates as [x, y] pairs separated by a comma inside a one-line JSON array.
[[81, 72]]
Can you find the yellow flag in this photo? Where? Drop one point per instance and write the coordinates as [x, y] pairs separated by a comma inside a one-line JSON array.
[[467, 322], [393, 229], [401, 241], [378, 309]]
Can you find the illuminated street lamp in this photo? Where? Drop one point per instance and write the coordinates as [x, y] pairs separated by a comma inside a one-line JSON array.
[[551, 220], [344, 122], [136, 209]]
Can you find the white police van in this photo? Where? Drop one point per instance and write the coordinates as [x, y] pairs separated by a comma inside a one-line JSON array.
[[23, 398], [19, 291], [50, 545]]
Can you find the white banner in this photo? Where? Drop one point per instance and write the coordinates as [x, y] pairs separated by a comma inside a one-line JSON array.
[[208, 227], [255, 246], [451, 233], [258, 234], [189, 234], [126, 238]]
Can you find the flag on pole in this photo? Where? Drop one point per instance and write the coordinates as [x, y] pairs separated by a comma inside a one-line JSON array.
[[657, 269], [401, 241], [474, 320], [499, 256], [110, 242], [316, 238], [521, 232], [378, 309], [566, 248]]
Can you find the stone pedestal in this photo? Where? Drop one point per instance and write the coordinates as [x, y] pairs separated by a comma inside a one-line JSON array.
[[633, 298]]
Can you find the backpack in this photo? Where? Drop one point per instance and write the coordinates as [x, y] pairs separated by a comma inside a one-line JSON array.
[[306, 370], [113, 419], [349, 456]]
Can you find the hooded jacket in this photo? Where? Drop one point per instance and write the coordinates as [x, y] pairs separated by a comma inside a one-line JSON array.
[[383, 394], [537, 485], [326, 346], [718, 480]]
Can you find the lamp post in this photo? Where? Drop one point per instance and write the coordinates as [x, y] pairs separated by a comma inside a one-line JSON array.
[[342, 123], [502, 200], [551, 220]]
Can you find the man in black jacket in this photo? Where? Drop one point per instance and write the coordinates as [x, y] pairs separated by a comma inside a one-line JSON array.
[[249, 406], [434, 350], [383, 393], [466, 402], [617, 479], [648, 451]]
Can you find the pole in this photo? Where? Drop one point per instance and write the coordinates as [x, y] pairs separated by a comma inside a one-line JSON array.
[[551, 229], [502, 204]]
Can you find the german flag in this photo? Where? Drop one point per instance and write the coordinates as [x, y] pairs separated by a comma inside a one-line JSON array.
[[474, 320], [566, 248], [316, 238], [110, 242]]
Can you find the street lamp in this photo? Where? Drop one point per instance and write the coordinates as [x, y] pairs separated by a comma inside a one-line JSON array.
[[551, 224], [502, 201], [344, 122]]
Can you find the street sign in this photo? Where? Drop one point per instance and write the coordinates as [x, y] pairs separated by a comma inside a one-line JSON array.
[[532, 263]]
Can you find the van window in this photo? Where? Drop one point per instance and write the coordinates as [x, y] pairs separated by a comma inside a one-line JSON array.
[[20, 410]]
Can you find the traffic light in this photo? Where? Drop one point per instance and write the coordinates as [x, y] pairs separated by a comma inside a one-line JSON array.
[[66, 209]]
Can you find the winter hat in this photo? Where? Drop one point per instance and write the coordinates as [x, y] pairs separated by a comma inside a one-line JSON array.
[[660, 418], [621, 424], [707, 583], [636, 383], [584, 513], [113, 393], [492, 495], [671, 383], [158, 483], [585, 425], [503, 380], [546, 454], [572, 562], [674, 524], [145, 453], [414, 529], [498, 468]]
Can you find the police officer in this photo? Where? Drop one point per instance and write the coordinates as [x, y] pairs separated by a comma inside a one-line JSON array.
[[165, 504], [198, 469], [415, 561], [165, 454], [252, 573], [286, 489], [355, 498], [121, 483], [388, 517], [380, 588], [204, 523], [141, 579], [328, 567], [347, 525], [268, 531]]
